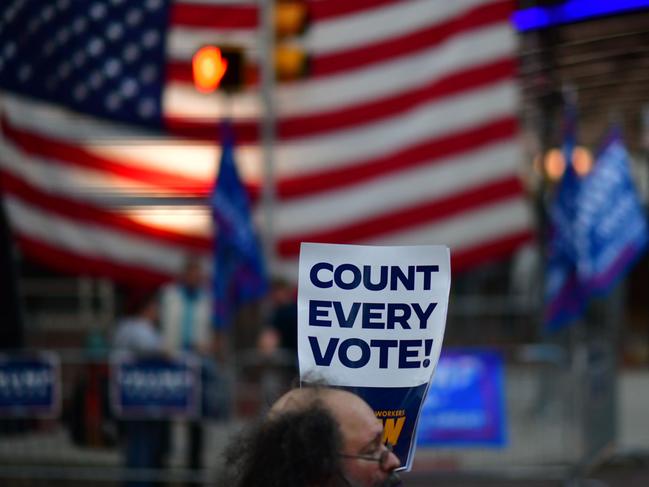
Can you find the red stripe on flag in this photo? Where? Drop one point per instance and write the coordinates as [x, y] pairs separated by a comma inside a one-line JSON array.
[[352, 116], [86, 213], [349, 60], [423, 153], [66, 153], [319, 10], [438, 209], [57, 151], [246, 16], [294, 127], [245, 132], [396, 47], [214, 16], [78, 264]]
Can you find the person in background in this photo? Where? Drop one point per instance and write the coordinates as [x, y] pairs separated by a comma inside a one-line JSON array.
[[281, 331], [145, 440], [313, 437], [185, 322]]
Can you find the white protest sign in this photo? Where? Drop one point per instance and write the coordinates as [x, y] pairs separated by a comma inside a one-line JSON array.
[[372, 319]]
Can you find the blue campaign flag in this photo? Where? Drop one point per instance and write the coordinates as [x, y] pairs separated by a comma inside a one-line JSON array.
[[598, 230], [239, 273], [611, 230], [564, 299]]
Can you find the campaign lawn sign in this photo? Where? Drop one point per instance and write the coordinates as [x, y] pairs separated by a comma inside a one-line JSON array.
[[155, 387], [371, 320], [30, 385], [465, 405]]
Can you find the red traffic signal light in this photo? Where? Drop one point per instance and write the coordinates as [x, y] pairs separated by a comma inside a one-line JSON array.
[[215, 67]]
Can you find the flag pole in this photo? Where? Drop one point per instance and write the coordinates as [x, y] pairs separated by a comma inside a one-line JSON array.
[[268, 133]]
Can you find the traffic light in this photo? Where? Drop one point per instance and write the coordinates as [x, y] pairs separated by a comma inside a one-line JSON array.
[[218, 68], [291, 21], [291, 18]]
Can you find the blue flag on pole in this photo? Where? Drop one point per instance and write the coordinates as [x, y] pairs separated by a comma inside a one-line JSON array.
[[599, 230], [239, 273], [611, 230], [563, 295]]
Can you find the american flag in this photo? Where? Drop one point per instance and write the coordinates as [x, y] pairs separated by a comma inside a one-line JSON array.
[[404, 132]]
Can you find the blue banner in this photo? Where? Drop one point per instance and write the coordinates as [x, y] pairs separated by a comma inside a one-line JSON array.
[[30, 386], [465, 403], [611, 229], [598, 230], [155, 387], [239, 275], [563, 293]]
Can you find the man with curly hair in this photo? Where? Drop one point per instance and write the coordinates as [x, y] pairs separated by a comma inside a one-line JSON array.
[[314, 437]]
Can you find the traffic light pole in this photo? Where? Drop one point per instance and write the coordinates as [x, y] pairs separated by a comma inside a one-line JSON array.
[[268, 132]]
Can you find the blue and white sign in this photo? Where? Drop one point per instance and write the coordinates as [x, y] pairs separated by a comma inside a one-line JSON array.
[[600, 231], [372, 319], [465, 402], [30, 385], [611, 230], [155, 387]]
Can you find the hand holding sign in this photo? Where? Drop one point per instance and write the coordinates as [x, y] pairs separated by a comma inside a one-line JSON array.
[[363, 310]]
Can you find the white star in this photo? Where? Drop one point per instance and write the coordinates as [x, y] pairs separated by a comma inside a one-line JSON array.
[[151, 38], [129, 88], [79, 58], [47, 13], [113, 101], [148, 73], [80, 92], [64, 71], [95, 80], [95, 46], [114, 31], [79, 25], [112, 68], [98, 11], [153, 4], [62, 36], [134, 17], [146, 108], [10, 50], [9, 14], [131, 53], [25, 72]]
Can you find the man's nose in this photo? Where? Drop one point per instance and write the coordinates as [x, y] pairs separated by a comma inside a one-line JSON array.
[[392, 462]]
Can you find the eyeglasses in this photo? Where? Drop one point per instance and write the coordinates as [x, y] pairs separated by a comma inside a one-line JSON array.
[[383, 459]]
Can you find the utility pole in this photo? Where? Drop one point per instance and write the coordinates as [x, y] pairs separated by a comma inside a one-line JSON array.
[[268, 130]]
